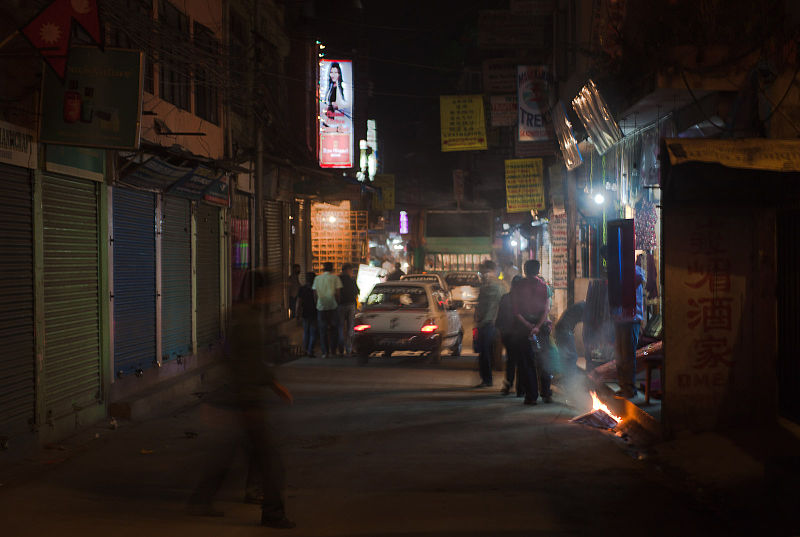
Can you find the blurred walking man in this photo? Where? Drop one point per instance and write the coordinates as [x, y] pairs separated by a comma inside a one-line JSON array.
[[327, 287], [491, 292]]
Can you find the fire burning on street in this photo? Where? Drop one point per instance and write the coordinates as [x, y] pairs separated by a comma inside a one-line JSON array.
[[600, 415]]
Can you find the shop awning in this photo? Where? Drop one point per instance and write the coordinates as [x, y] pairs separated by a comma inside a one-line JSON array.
[[749, 153]]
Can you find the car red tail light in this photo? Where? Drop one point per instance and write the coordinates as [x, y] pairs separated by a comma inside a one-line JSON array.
[[428, 328], [361, 327]]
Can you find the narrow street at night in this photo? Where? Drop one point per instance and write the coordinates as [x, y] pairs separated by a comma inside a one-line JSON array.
[[399, 447]]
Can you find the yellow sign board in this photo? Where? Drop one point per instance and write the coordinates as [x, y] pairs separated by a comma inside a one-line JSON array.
[[463, 122], [524, 185], [752, 154], [384, 181]]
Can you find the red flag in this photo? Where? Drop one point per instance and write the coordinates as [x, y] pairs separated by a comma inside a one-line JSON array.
[[49, 32], [85, 13]]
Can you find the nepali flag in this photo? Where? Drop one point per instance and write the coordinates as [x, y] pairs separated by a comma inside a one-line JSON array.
[[50, 30]]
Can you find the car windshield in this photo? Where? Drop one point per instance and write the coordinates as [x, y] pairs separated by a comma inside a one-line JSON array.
[[457, 279], [394, 297]]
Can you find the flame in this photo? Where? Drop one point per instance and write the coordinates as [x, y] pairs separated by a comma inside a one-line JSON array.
[[598, 405]]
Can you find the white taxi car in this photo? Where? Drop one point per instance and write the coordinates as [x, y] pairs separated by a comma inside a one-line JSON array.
[[465, 286], [408, 316], [433, 277]]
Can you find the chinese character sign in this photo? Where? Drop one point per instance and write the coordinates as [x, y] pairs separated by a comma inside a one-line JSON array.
[[462, 122], [524, 185], [532, 96], [335, 93], [706, 285]]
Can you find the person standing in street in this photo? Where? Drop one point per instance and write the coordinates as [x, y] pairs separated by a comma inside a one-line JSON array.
[[252, 345], [531, 306], [347, 309], [396, 274], [504, 323], [626, 338], [307, 311], [327, 287], [294, 287], [489, 297]]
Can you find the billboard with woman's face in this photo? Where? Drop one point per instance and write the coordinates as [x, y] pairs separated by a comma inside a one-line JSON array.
[[335, 94]]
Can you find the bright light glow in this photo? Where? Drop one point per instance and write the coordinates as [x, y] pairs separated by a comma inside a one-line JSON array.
[[429, 328], [403, 222], [331, 219], [505, 226], [513, 243], [405, 267], [599, 198], [598, 405], [362, 327], [523, 243], [398, 246]]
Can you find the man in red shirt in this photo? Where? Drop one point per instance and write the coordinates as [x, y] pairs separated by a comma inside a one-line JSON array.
[[531, 305]]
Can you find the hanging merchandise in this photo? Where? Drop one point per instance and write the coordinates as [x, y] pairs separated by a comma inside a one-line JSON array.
[[134, 298], [17, 403], [71, 232], [176, 281], [646, 222], [208, 274]]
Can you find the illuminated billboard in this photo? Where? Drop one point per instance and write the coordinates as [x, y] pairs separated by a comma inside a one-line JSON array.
[[335, 95]]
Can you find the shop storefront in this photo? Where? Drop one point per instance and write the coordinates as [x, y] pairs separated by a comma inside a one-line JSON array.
[[208, 275], [176, 285]]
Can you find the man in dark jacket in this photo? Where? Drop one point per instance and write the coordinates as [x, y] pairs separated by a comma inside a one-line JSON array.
[[347, 309], [307, 310], [396, 274]]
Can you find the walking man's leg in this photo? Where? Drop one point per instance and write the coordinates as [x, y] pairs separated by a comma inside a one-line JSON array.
[[486, 345]]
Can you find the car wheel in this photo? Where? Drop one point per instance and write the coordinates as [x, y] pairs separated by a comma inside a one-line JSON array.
[[363, 358], [455, 350], [435, 355]]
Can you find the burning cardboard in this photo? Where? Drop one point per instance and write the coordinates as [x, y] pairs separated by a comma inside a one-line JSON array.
[[600, 416]]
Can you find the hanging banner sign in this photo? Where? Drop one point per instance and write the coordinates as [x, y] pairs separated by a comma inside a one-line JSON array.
[[524, 185], [500, 75], [335, 95], [17, 146], [462, 122], [504, 110], [532, 94], [752, 154]]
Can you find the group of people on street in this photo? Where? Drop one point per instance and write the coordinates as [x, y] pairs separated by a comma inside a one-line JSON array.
[[326, 305], [520, 315]]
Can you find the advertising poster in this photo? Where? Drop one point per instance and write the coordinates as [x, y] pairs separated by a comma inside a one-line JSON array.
[[99, 103], [462, 122], [504, 110], [500, 75], [384, 181], [335, 90], [532, 94], [524, 185]]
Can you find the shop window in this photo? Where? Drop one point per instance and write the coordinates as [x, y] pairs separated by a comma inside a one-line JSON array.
[[206, 93], [174, 81]]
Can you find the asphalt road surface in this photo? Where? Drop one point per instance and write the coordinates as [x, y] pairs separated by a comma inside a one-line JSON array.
[[397, 448]]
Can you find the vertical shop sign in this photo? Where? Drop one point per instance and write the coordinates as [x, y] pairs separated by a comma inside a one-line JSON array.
[[532, 95], [524, 185], [558, 238], [462, 122], [335, 94]]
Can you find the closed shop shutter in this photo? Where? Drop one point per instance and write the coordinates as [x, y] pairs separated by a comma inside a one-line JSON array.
[[134, 280], [275, 241], [208, 279], [300, 237], [176, 278], [72, 365], [788, 238], [17, 384]]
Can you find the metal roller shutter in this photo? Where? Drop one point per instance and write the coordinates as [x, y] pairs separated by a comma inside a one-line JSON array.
[[208, 279], [275, 241], [17, 381], [72, 365], [134, 280], [176, 278]]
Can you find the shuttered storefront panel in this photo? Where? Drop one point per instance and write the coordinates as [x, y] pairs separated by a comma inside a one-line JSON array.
[[17, 384], [275, 241], [208, 279], [71, 295], [176, 278], [789, 314], [134, 249]]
